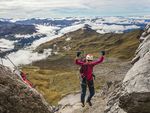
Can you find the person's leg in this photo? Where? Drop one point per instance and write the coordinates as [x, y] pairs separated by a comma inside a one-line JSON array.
[[91, 90], [83, 91]]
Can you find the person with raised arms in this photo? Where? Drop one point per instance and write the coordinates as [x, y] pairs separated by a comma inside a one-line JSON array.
[[87, 75]]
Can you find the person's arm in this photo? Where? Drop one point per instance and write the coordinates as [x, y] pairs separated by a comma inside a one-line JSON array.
[[100, 58], [78, 61], [98, 61]]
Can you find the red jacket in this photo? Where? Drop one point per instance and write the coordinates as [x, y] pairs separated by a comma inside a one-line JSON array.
[[24, 77], [89, 67]]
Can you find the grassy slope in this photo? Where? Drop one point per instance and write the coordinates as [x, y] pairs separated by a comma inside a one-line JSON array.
[[53, 84], [58, 76], [116, 45]]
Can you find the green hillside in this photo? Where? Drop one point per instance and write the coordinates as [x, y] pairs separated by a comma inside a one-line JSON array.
[[116, 45]]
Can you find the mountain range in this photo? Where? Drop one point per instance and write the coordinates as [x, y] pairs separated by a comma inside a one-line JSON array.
[[28, 34]]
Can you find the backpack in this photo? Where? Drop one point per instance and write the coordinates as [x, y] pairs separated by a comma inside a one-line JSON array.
[[83, 68]]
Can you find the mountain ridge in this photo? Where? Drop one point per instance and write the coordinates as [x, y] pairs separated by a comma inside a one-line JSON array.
[[89, 40]]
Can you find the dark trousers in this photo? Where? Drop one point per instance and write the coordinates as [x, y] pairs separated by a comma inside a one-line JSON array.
[[84, 84]]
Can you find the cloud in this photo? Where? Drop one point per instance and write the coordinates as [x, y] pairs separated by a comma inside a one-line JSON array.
[[39, 5], [101, 25], [6, 44], [118, 7], [71, 28], [49, 31], [59, 8], [25, 57], [113, 28], [112, 3], [36, 8]]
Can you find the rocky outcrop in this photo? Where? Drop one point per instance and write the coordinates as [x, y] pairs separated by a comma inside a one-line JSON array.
[[134, 94], [17, 97]]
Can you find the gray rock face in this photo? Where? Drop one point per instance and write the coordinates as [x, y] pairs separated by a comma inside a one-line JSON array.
[[17, 97], [134, 94], [135, 102], [138, 77]]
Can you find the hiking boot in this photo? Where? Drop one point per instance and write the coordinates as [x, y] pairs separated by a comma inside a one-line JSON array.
[[82, 104], [89, 102]]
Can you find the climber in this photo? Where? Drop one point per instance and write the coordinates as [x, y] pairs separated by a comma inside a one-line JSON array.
[[86, 75], [83, 58], [18, 72], [24, 77]]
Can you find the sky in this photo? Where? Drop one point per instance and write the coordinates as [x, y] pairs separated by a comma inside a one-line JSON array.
[[72, 8]]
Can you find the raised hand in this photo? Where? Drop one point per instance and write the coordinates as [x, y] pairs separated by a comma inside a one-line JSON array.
[[78, 53], [102, 53]]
